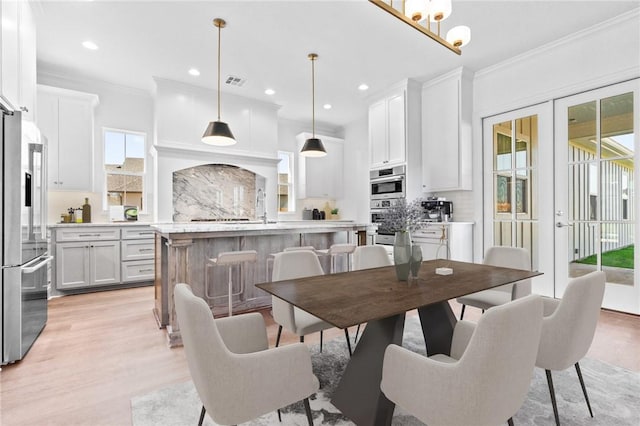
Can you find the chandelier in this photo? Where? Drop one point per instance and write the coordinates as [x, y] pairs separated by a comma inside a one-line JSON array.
[[420, 14]]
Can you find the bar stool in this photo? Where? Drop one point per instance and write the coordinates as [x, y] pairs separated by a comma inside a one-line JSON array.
[[337, 250], [271, 256], [229, 259]]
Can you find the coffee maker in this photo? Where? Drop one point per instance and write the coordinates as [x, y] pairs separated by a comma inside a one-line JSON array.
[[437, 210]]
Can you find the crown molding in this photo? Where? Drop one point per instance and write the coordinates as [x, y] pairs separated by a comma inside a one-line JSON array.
[[211, 154], [597, 28], [74, 79]]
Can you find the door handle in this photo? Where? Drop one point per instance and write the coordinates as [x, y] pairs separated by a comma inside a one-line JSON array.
[[30, 269], [563, 225]]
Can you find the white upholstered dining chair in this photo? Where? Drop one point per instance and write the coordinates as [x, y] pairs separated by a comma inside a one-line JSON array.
[[484, 380], [290, 265], [568, 328], [371, 256], [506, 257], [367, 257], [235, 374]]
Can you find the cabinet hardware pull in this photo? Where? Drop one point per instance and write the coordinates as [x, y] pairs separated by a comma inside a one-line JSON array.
[[146, 270], [145, 233], [146, 249], [24, 109]]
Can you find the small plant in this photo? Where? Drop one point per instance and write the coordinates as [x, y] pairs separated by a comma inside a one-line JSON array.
[[334, 211], [403, 216]]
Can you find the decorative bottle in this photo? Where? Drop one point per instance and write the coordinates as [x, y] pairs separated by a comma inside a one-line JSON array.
[[86, 211]]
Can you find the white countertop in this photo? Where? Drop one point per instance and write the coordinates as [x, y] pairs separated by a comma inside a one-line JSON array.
[[93, 224], [313, 225]]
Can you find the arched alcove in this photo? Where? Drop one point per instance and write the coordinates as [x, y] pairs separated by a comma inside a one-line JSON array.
[[215, 192]]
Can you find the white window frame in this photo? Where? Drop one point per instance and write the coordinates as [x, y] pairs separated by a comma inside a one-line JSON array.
[[291, 184], [143, 174]]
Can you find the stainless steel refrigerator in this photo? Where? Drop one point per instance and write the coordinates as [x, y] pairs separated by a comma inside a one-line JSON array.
[[23, 312]]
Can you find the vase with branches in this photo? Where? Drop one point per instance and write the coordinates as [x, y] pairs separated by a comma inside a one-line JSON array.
[[403, 218]]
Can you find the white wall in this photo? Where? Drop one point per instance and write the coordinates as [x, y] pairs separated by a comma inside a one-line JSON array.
[[356, 170], [119, 107], [181, 114]]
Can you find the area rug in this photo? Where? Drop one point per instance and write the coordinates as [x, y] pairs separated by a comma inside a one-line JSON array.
[[613, 391]]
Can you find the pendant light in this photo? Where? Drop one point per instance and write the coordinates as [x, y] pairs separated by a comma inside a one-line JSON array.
[[313, 146], [218, 132]]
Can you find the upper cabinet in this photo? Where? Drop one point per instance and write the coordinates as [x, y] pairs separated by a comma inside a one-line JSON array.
[[446, 132], [65, 118], [387, 135], [321, 177], [18, 53], [395, 130]]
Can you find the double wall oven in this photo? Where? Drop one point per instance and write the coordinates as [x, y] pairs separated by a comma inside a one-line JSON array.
[[387, 187]]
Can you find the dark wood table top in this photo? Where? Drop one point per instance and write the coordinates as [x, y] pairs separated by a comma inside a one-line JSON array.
[[355, 297]]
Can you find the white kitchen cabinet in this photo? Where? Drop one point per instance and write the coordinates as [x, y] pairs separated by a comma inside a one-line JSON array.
[[87, 263], [27, 62], [65, 118], [395, 132], [138, 248], [446, 132], [18, 53], [387, 131], [10, 68], [90, 256], [446, 240], [321, 177]]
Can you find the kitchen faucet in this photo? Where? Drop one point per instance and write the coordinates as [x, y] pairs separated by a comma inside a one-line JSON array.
[[261, 198]]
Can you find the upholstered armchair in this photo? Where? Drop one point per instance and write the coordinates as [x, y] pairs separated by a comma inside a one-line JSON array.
[[485, 378], [568, 329], [237, 377], [506, 257], [290, 265]]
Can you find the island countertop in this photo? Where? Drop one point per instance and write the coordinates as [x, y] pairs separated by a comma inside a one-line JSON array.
[[228, 229]]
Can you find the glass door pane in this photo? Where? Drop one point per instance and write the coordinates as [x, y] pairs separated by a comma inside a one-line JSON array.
[[598, 163], [515, 157]]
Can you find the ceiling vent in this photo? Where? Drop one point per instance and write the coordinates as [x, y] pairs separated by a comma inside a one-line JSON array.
[[232, 80]]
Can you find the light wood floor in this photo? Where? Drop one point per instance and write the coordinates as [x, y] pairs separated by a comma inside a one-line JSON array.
[[99, 350]]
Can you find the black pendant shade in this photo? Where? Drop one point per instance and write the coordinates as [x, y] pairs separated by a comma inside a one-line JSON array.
[[218, 133], [313, 147]]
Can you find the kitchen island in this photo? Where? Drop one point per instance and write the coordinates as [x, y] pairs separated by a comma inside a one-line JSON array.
[[183, 250]]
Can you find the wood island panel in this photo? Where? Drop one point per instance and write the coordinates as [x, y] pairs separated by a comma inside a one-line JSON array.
[[183, 251]]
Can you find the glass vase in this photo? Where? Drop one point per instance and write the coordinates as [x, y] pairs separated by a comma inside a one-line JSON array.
[[416, 260], [402, 254]]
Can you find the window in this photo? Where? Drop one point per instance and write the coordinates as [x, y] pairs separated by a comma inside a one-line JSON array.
[[124, 166], [285, 182]]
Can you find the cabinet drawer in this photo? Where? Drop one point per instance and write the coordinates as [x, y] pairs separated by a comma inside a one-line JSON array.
[[138, 249], [87, 234], [137, 232], [432, 233], [138, 270]]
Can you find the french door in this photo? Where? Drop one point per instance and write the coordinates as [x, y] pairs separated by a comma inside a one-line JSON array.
[[518, 186], [596, 135]]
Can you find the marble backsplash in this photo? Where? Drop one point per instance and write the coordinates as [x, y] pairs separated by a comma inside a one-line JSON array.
[[216, 192]]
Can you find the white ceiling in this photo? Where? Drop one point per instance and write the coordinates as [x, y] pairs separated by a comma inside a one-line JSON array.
[[267, 43]]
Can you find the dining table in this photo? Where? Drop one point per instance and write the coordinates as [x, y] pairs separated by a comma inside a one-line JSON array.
[[376, 297]]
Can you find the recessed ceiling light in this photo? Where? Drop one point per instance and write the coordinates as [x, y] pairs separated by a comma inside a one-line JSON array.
[[326, 106], [194, 72], [363, 87], [90, 45], [270, 92]]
